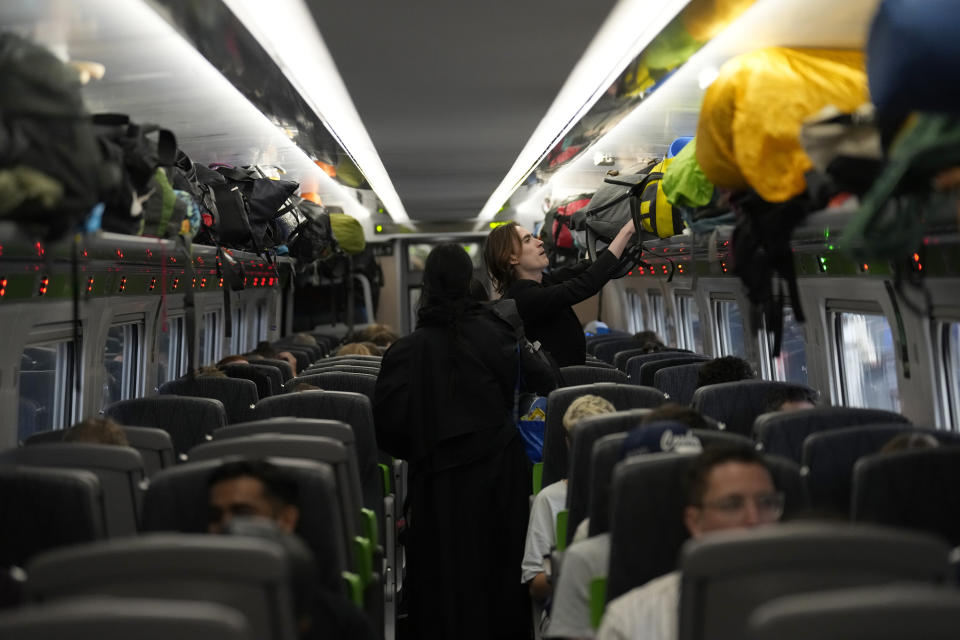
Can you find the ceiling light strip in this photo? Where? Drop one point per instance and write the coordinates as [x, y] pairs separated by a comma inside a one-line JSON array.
[[287, 31]]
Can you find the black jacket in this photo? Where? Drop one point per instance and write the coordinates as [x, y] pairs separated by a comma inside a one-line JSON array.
[[546, 307]]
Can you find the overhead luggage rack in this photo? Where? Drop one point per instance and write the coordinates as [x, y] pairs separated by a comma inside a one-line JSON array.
[[196, 69]]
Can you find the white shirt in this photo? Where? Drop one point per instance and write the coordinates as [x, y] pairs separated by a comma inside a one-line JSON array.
[[582, 563], [650, 612], [541, 529]]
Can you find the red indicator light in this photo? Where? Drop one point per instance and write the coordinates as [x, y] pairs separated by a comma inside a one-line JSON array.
[[203, 282], [221, 283], [629, 273], [43, 284], [199, 260], [244, 280], [664, 268], [123, 283], [274, 280], [866, 267], [916, 257], [173, 259], [40, 250], [120, 254], [84, 253], [194, 282], [724, 266], [176, 282], [256, 281], [3, 287], [153, 284], [90, 284], [149, 253]]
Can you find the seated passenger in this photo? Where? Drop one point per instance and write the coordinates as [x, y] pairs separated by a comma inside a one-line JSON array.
[[355, 349], [725, 488], [97, 431], [588, 559], [233, 359], [725, 369], [209, 372], [252, 488], [265, 350], [790, 399], [649, 340], [255, 498], [305, 386], [383, 339], [905, 441], [541, 530]]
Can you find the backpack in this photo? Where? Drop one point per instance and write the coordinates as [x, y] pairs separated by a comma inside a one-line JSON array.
[[50, 167], [313, 239], [247, 208]]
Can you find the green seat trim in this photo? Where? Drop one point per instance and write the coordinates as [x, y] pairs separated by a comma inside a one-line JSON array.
[[563, 517], [363, 559], [537, 477], [385, 470], [598, 600], [368, 519], [354, 587]]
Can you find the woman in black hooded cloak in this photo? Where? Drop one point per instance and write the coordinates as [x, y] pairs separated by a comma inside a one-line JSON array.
[[445, 403]]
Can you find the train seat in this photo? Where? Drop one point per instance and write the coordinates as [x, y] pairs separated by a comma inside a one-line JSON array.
[[595, 341], [829, 458], [736, 404], [286, 371], [678, 381], [267, 379], [728, 574], [607, 349], [621, 396], [648, 370], [44, 508], [337, 380], [878, 613], [302, 356], [154, 445], [347, 366], [237, 395], [119, 469], [103, 618], [188, 420], [632, 365], [177, 500], [244, 573], [784, 432], [314, 351], [352, 408], [314, 447], [646, 519], [591, 361], [911, 488], [576, 375], [582, 438]]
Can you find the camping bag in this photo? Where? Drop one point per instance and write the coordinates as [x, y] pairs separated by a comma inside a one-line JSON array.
[[656, 212], [562, 223], [247, 205], [348, 232], [313, 239], [912, 54], [50, 166], [748, 135]]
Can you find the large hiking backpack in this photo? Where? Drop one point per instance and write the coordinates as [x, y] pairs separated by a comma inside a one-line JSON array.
[[247, 208], [558, 234], [50, 167], [313, 240]]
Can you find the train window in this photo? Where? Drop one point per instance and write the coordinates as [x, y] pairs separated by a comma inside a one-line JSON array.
[[171, 350], [867, 362], [210, 338], [791, 366], [417, 254], [121, 359], [238, 340], [634, 311], [689, 335], [413, 295], [658, 320], [951, 344], [730, 334], [46, 388], [261, 328]]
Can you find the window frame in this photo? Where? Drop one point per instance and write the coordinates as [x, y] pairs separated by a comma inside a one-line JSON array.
[[835, 310], [716, 300], [634, 310], [686, 336], [66, 406], [657, 321]]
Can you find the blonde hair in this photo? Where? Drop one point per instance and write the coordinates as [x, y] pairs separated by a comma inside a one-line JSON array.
[[354, 349], [586, 405]]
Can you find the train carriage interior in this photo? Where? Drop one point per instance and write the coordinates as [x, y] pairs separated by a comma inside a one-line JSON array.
[[216, 217]]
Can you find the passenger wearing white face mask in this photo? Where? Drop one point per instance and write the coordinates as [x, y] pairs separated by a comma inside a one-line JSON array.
[[516, 260]]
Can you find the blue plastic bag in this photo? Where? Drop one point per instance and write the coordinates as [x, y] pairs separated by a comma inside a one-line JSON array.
[[531, 424]]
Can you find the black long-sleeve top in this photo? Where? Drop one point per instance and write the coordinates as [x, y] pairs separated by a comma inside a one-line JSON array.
[[546, 307]]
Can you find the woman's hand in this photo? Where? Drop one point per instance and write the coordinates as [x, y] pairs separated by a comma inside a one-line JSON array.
[[623, 237]]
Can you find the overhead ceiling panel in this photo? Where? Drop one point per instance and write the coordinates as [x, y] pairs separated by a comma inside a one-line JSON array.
[[450, 92]]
